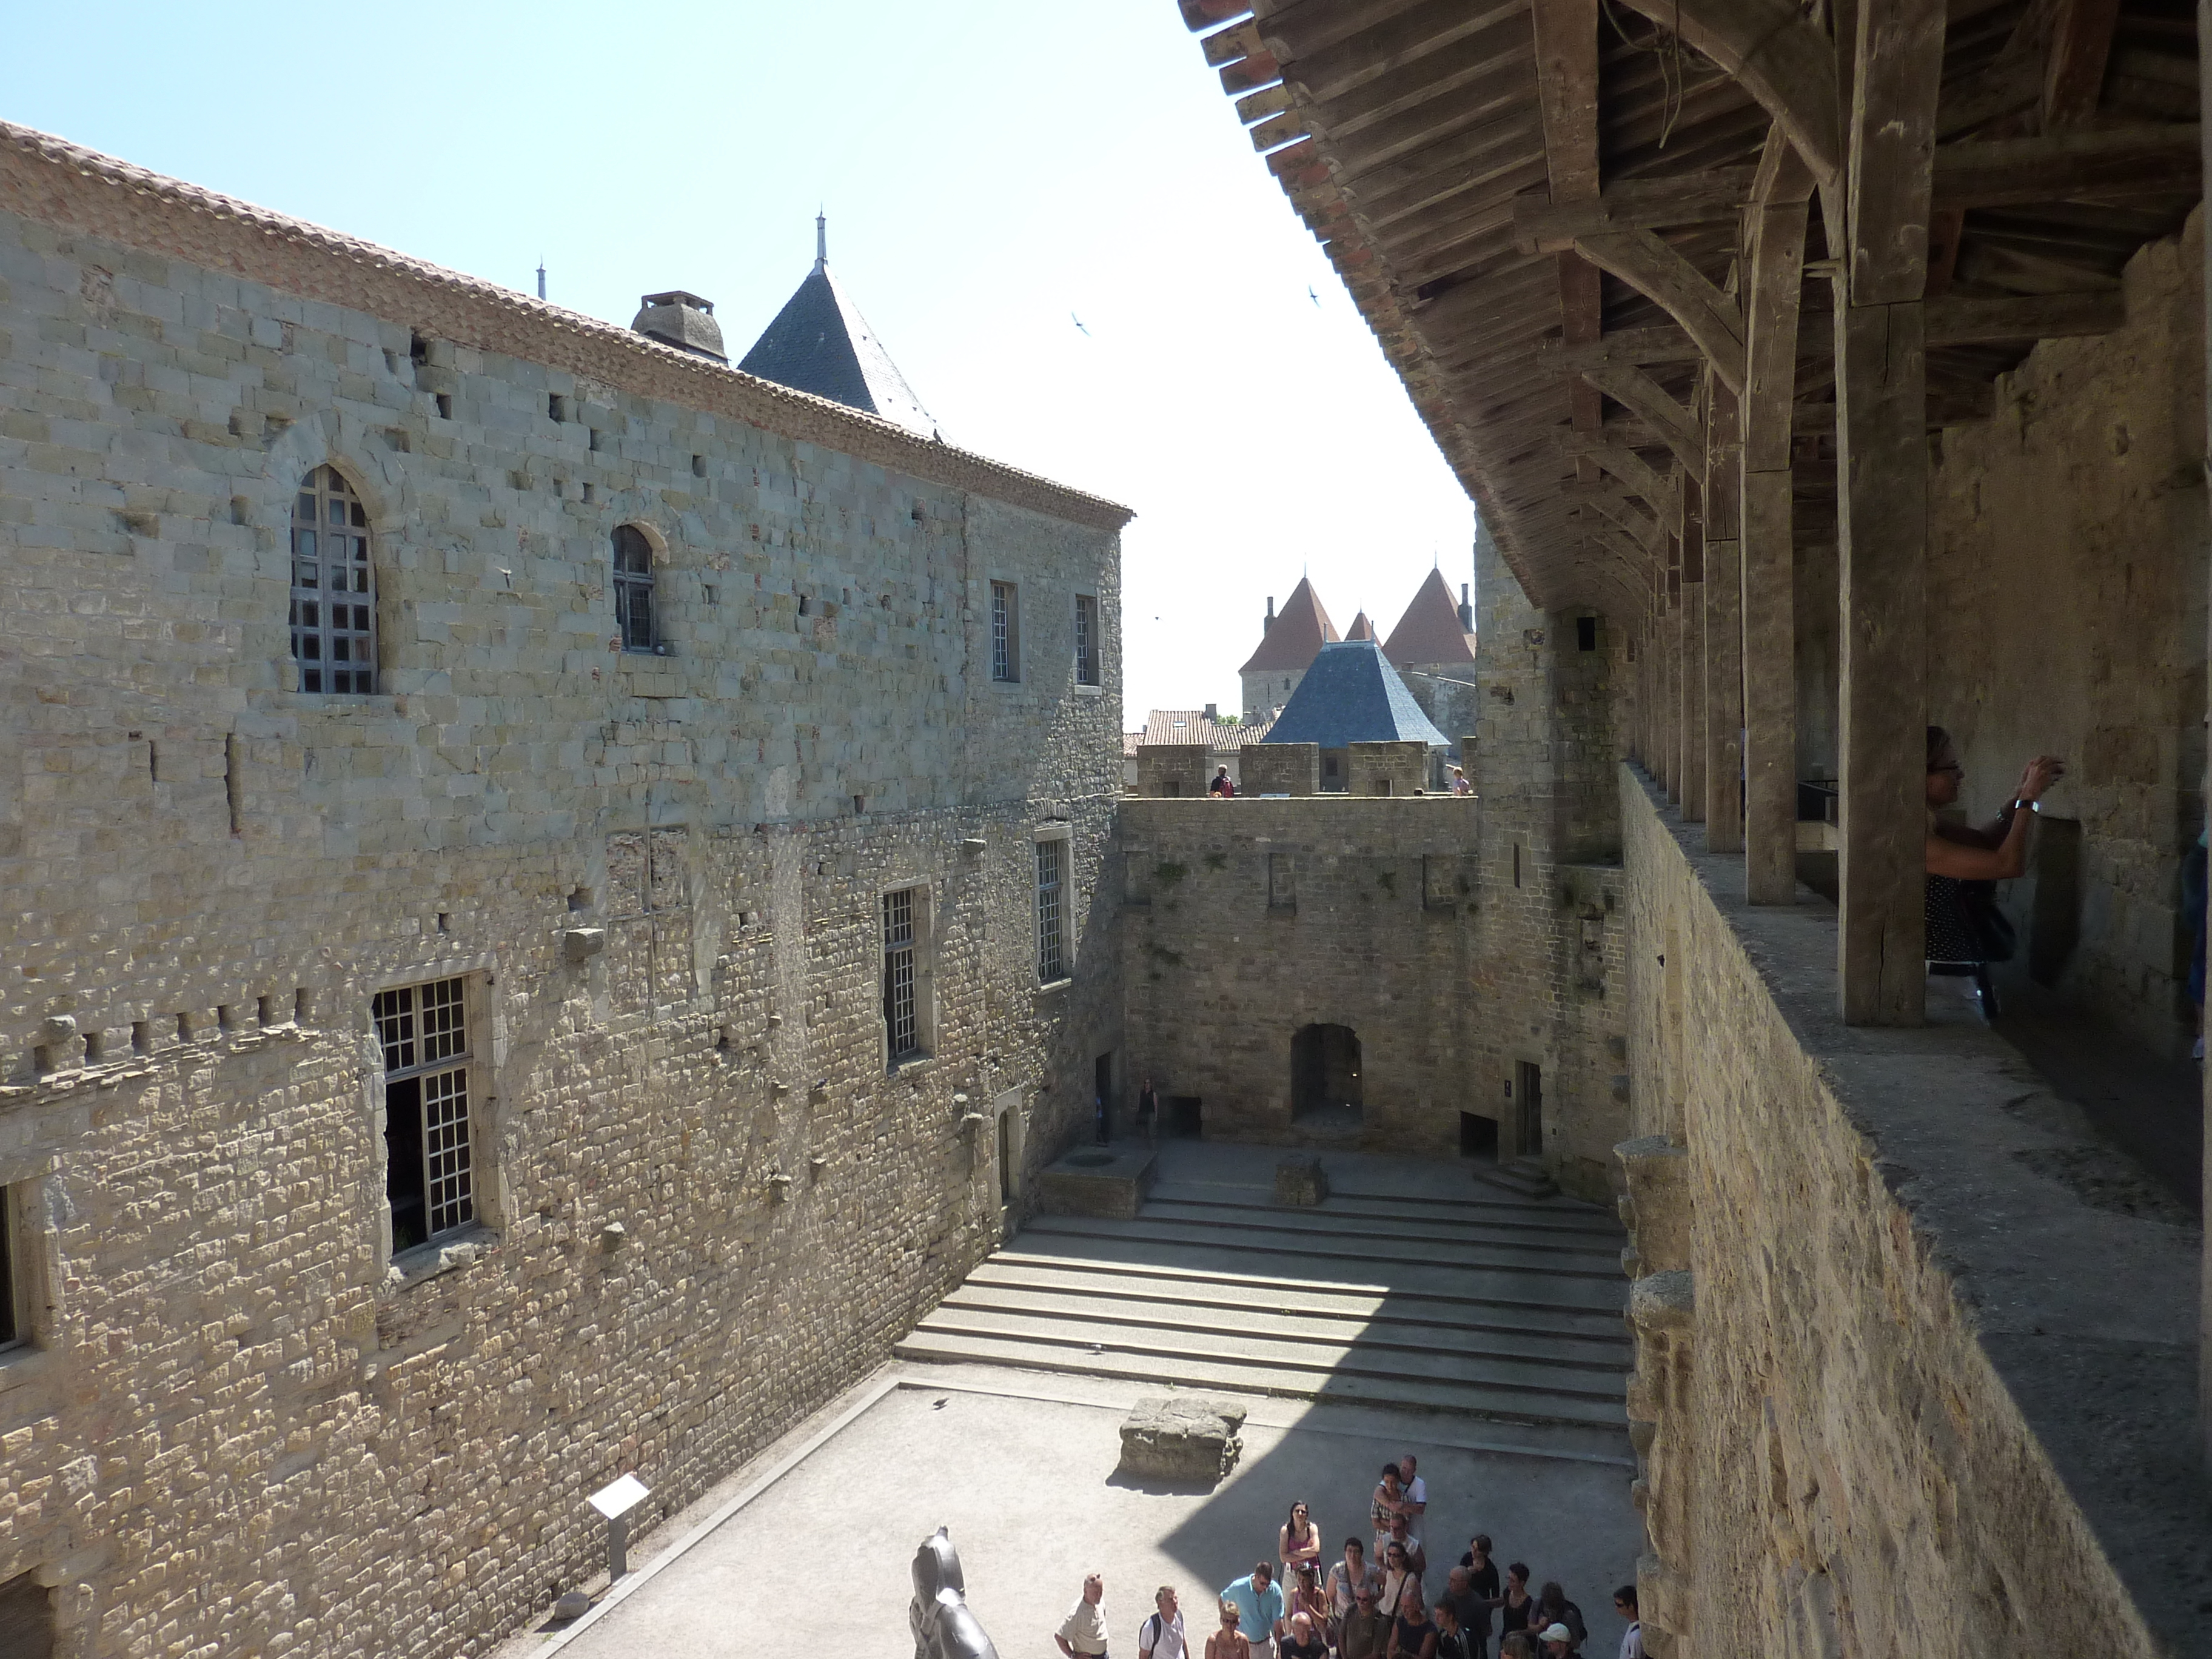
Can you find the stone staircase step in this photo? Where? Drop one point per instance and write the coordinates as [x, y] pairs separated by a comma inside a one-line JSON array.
[[1517, 1374], [1014, 1270], [1279, 1319], [1521, 1176], [1070, 1239], [1234, 1376], [1382, 1251], [1481, 1205], [1371, 1222]]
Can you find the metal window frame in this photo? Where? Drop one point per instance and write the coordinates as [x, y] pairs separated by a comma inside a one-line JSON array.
[[453, 1063], [15, 1279], [1052, 945], [332, 548], [1086, 638], [902, 907], [1006, 632], [632, 585]]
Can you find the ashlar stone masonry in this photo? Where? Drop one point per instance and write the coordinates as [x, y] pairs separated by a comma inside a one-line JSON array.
[[634, 902]]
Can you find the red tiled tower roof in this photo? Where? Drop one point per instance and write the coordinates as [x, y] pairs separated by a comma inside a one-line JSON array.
[[1361, 629], [1300, 629], [1430, 632]]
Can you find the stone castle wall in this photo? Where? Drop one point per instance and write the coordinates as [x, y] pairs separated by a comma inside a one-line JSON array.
[[704, 1202], [1246, 921], [1553, 969], [1885, 1400], [2066, 596]]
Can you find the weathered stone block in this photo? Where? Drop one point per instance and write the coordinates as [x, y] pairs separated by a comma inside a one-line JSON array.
[[1096, 1182], [1300, 1180], [1182, 1437]]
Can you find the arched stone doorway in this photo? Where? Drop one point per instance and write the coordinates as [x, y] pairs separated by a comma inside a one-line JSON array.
[[1325, 1072]]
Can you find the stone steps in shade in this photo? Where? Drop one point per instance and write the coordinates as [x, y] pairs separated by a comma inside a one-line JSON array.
[[1194, 1289], [1136, 1317], [1466, 1397], [1558, 1214], [1363, 1256], [1597, 1239]]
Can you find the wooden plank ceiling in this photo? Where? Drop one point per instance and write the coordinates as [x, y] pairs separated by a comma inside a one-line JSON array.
[[1503, 186]]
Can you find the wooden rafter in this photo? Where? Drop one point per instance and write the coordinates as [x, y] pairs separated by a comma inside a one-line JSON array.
[[1647, 263]]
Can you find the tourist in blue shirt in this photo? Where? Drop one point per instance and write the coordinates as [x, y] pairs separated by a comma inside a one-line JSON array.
[[1259, 1604]]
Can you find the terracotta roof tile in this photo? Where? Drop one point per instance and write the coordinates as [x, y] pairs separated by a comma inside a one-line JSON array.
[[1191, 726], [1430, 632], [1301, 628]]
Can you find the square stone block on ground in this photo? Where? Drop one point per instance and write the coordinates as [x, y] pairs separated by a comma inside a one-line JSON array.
[[1182, 1437], [1030, 1491]]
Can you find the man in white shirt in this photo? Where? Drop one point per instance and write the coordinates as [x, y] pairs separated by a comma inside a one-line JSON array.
[[1417, 1495], [1632, 1640], [1161, 1635], [1082, 1634]]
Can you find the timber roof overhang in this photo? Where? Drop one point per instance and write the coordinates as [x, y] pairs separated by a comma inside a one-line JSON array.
[[1541, 208]]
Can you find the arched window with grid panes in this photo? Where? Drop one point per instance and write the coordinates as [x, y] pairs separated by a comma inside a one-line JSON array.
[[333, 587], [634, 614]]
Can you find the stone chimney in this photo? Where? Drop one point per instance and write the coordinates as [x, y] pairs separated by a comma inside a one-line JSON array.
[[1465, 611], [1212, 711], [1270, 622], [683, 321]]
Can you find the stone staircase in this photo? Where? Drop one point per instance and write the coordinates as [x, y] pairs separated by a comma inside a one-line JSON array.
[[1484, 1305]]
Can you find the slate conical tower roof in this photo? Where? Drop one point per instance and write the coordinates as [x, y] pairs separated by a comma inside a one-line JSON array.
[[1353, 694], [1430, 632], [1300, 628], [819, 342]]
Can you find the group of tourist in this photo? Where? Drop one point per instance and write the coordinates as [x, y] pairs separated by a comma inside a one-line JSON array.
[[1370, 1604]]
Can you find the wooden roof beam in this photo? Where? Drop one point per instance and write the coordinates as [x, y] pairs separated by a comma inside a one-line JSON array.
[[1778, 55], [1638, 394], [2074, 72], [1656, 270], [1632, 204], [2082, 165], [1566, 94]]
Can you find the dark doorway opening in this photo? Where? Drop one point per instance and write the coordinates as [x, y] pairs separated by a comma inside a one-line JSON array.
[[27, 1618], [1005, 1158], [1184, 1117], [1528, 1096], [1102, 1086], [1477, 1135], [1325, 1071]]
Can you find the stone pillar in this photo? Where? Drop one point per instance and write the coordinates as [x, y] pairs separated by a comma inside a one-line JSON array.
[[1173, 768]]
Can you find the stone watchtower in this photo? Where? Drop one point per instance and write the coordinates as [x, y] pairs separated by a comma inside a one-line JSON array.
[[1288, 642], [1432, 647]]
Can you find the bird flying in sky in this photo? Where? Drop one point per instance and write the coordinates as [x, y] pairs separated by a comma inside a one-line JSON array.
[[1311, 294], [1077, 321]]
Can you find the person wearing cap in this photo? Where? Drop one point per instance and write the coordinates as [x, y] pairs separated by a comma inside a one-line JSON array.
[[1365, 1632], [1558, 1641]]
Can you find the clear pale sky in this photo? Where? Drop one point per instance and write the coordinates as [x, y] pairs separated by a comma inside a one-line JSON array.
[[991, 171]]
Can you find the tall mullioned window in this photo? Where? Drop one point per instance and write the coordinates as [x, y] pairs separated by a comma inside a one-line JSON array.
[[1086, 639], [1051, 910], [1006, 633], [901, 1006], [333, 587], [634, 614], [429, 1163], [14, 1313]]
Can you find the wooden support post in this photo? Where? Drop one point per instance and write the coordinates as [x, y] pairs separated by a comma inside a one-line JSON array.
[[1691, 671], [1881, 436], [1723, 631], [1775, 230], [2204, 1325]]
